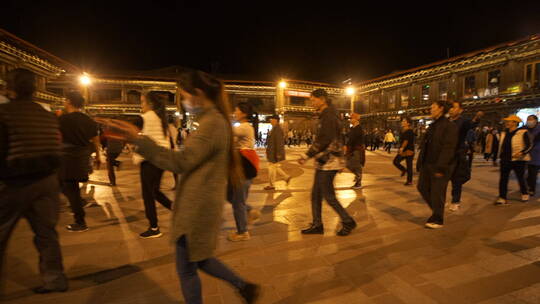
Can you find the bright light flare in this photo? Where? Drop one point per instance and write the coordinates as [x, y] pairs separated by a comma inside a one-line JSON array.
[[85, 80], [350, 91], [282, 84]]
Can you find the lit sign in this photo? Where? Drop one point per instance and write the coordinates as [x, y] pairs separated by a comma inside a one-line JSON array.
[[298, 94]]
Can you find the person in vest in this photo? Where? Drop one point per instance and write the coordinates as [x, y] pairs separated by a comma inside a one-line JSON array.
[[29, 187], [436, 162], [515, 145], [275, 153], [79, 139], [328, 153], [534, 163], [155, 126]]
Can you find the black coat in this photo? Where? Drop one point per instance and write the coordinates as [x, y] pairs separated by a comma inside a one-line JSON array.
[[438, 148], [275, 145]]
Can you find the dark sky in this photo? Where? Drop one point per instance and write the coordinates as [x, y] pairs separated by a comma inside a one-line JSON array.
[[328, 42]]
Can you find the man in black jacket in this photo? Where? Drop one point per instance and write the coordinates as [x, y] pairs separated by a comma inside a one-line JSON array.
[[29, 187], [436, 162], [356, 150], [275, 153], [462, 172], [328, 153]]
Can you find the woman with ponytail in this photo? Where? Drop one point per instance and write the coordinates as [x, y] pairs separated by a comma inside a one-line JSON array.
[[206, 164], [155, 127]]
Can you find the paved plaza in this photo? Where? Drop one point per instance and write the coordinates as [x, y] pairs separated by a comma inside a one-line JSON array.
[[484, 254]]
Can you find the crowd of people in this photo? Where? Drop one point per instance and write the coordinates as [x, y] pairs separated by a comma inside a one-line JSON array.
[[43, 155]]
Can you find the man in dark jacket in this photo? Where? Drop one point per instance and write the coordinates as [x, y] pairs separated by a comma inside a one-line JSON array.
[[275, 153], [79, 139], [356, 150], [436, 162], [29, 159], [462, 171], [328, 153]]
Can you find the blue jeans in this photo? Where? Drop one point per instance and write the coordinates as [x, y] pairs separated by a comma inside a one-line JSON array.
[[189, 277], [238, 198]]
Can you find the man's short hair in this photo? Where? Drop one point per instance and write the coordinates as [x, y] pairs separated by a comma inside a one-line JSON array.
[[276, 117], [75, 99], [446, 105], [22, 82], [407, 119], [321, 93]]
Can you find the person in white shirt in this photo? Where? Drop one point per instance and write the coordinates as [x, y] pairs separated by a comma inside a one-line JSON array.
[[154, 126]]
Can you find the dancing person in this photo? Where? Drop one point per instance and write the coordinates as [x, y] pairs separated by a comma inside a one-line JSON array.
[[207, 161], [79, 139], [155, 126], [355, 150], [29, 186], [244, 138], [328, 153], [534, 163], [436, 162], [275, 153], [406, 150], [462, 171], [514, 147]]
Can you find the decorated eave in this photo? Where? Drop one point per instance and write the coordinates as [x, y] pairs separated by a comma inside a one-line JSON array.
[[21, 51], [490, 57]]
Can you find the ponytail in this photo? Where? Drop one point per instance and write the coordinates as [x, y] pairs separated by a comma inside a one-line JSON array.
[[158, 106]]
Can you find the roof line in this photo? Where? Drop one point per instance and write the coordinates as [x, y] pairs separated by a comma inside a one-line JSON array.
[[455, 58], [40, 50]]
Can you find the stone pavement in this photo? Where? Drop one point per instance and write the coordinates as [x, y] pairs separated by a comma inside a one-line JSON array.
[[484, 254]]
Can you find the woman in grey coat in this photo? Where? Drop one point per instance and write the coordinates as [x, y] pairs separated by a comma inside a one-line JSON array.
[[206, 163]]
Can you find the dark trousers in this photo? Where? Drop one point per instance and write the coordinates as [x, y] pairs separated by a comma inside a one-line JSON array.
[[150, 182], [388, 146], [354, 164], [323, 187], [72, 191], [111, 163], [39, 203], [519, 169], [457, 188], [433, 191], [409, 161], [189, 277], [532, 172]]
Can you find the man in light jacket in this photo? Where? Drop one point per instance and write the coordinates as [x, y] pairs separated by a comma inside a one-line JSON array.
[[275, 153]]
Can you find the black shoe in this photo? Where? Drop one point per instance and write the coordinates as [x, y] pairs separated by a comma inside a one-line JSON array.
[[250, 293], [151, 233], [314, 230], [77, 227], [346, 228], [43, 290]]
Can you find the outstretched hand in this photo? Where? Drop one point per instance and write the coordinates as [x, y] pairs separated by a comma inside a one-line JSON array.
[[120, 129]]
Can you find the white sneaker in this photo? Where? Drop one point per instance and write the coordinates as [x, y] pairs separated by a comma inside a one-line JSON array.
[[454, 207], [501, 201], [524, 198], [433, 226]]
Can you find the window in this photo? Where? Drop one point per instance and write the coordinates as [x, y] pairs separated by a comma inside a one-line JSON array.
[[470, 86], [297, 101], [536, 80], [443, 90], [374, 102], [528, 74], [425, 93], [133, 96], [405, 98], [391, 101], [494, 79], [532, 75], [107, 95]]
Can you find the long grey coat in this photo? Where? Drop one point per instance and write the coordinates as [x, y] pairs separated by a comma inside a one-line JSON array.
[[203, 165]]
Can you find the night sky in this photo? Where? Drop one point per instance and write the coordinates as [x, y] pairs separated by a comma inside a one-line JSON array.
[[267, 40]]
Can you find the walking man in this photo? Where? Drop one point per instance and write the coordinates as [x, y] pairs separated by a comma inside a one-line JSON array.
[[328, 153], [356, 150], [462, 171], [389, 140], [29, 159], [436, 162], [275, 153], [406, 150]]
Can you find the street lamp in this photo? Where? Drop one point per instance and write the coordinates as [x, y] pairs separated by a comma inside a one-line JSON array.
[[84, 79], [350, 91], [282, 84]]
